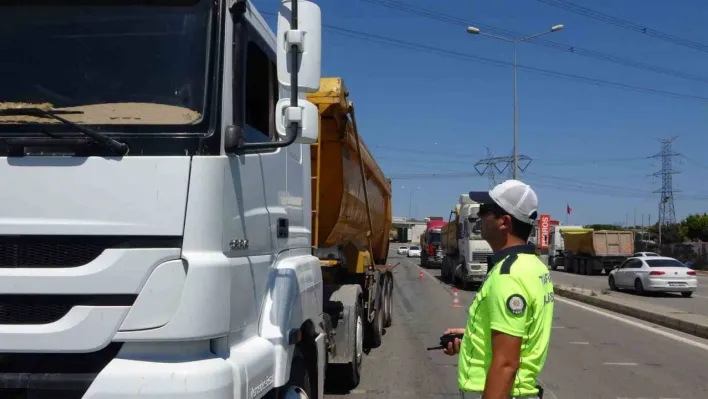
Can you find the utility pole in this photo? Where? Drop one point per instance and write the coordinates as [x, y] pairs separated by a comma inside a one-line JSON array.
[[514, 41], [667, 212]]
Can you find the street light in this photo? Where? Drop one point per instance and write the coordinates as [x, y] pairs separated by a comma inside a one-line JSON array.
[[475, 31]]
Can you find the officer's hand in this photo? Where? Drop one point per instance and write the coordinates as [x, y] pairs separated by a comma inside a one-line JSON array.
[[453, 348]]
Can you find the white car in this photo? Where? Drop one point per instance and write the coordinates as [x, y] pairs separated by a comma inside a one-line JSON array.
[[654, 273], [640, 254], [402, 251], [414, 251]]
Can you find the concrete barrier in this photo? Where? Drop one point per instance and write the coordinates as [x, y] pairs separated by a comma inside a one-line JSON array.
[[685, 322]]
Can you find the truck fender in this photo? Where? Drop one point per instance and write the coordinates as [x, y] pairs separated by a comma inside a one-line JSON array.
[[293, 297], [340, 305]]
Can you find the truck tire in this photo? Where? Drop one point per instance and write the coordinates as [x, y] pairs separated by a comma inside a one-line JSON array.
[[552, 263], [353, 375], [345, 373], [374, 329], [388, 302], [299, 382]]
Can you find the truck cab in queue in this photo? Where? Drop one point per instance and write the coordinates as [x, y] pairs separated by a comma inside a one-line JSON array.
[[431, 253], [170, 234], [466, 254]]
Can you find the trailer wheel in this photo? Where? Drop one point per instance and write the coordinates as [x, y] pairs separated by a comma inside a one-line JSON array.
[[375, 329], [388, 300]]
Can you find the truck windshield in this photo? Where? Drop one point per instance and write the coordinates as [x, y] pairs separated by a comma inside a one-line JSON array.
[[434, 237], [476, 232], [127, 63]]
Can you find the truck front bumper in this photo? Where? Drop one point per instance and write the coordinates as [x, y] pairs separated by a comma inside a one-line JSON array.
[[210, 378], [476, 272]]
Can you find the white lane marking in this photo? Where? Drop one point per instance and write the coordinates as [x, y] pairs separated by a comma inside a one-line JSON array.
[[619, 364], [559, 327], [580, 343], [700, 296], [644, 327]]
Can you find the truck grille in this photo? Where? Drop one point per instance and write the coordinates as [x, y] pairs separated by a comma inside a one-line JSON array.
[[481, 257], [45, 309], [69, 251]]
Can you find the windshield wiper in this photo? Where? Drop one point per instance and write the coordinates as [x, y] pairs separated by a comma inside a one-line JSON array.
[[100, 138]]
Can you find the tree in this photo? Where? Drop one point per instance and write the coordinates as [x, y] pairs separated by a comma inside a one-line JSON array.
[[696, 226], [670, 234]]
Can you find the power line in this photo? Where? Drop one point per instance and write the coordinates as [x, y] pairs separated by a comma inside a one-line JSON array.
[[567, 184], [625, 24], [452, 157], [489, 61], [434, 15]]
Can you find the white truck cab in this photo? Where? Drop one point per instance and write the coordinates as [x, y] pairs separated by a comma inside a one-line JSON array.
[[556, 246], [467, 261], [155, 227]]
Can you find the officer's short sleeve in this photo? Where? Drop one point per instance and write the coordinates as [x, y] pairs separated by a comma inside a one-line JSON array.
[[507, 303]]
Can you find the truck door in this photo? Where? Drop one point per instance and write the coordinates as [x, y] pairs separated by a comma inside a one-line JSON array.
[[255, 190]]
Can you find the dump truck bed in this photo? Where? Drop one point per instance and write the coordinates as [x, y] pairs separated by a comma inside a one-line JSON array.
[[598, 243], [448, 233], [342, 214]]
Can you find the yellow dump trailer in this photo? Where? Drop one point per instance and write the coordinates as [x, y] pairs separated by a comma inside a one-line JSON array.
[[351, 220], [589, 252], [448, 233]]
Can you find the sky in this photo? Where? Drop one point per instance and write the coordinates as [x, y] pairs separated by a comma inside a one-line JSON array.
[[427, 112]]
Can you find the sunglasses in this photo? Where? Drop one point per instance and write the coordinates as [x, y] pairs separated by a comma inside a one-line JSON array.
[[486, 209]]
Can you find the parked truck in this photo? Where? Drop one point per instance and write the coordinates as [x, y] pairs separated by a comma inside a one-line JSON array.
[[556, 245], [431, 253], [465, 252], [351, 219], [179, 226], [589, 252]]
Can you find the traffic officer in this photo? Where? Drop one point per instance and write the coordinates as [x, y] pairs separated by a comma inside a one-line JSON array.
[[506, 339]]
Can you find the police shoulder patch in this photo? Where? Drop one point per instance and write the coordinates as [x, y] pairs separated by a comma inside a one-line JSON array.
[[516, 304]]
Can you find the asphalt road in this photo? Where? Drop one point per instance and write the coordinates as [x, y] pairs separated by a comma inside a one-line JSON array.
[[594, 354], [697, 304]]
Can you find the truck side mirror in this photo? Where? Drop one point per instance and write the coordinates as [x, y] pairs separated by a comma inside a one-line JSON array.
[[299, 59], [307, 36]]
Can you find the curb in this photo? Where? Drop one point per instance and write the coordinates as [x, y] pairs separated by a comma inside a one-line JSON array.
[[698, 329]]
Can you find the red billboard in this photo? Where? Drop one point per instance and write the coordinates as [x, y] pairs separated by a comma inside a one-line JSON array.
[[545, 229]]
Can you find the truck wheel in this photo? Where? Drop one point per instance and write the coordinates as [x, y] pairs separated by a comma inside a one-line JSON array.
[[298, 386], [343, 370], [352, 373], [375, 329], [388, 301]]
